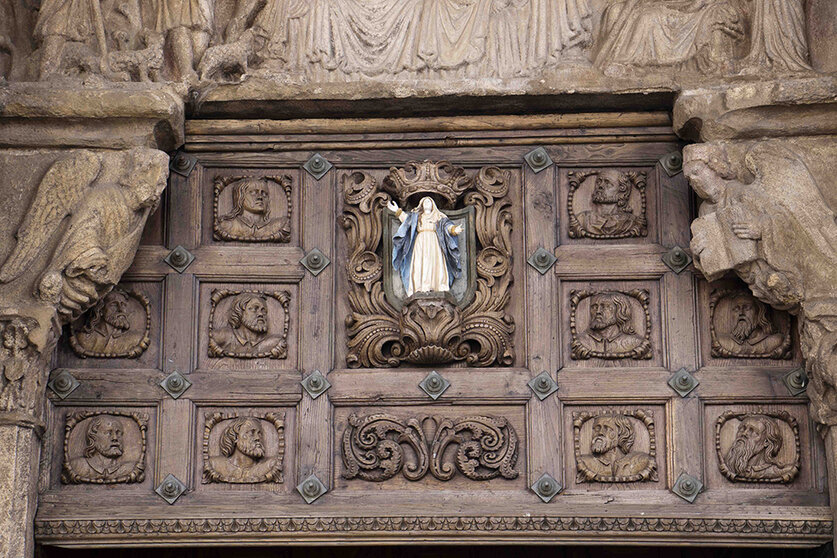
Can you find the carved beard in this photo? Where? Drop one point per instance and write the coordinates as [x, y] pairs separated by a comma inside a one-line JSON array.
[[740, 454], [252, 449], [118, 321], [602, 444], [601, 197], [742, 330], [598, 323], [259, 325], [110, 451]]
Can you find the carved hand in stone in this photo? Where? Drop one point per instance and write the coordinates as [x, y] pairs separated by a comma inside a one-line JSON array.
[[747, 230]]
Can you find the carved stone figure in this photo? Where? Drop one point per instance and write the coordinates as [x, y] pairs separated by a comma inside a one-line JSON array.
[[117, 327], [611, 456], [249, 330], [96, 449], [249, 218], [743, 327], [777, 37], [610, 331], [187, 26], [610, 214], [755, 453], [20, 382], [243, 452]]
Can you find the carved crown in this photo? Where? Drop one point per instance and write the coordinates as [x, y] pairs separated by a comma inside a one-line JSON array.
[[443, 179]]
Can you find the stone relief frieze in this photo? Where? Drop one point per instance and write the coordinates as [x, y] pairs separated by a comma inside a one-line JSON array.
[[20, 381], [373, 447], [741, 326], [760, 446], [613, 446], [104, 447], [607, 204], [252, 209], [118, 326], [610, 325], [244, 449], [249, 324]]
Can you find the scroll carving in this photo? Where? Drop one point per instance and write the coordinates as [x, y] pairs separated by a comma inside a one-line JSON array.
[[741, 326], [610, 442], [244, 449], [249, 324], [761, 446], [104, 447], [430, 328], [117, 327], [610, 325], [379, 447], [252, 210], [615, 206]]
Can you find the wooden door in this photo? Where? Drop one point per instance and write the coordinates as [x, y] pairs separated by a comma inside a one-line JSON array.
[[568, 269]]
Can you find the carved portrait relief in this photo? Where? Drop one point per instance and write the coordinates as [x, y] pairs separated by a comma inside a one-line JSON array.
[[758, 446], [249, 324], [252, 209], [246, 449], [104, 447], [607, 204], [610, 324], [615, 446], [741, 326], [117, 327]]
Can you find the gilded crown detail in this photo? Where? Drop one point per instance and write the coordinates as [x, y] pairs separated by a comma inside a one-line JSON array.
[[426, 177]]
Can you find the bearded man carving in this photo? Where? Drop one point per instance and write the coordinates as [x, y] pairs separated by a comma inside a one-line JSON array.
[[754, 454]]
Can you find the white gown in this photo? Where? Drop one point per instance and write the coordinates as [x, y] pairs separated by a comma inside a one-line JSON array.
[[428, 270]]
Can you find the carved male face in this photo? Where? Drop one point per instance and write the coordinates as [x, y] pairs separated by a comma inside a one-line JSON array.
[[606, 190], [750, 440], [114, 311], [605, 435], [744, 310], [106, 435], [249, 441], [703, 180], [602, 312], [255, 198], [254, 316]]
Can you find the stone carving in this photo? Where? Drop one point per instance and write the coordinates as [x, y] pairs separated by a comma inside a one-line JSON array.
[[611, 443], [117, 327], [741, 326], [20, 381], [433, 327], [613, 210], [253, 209], [244, 449], [777, 37], [760, 446], [104, 447], [244, 324], [610, 324], [372, 447], [229, 60]]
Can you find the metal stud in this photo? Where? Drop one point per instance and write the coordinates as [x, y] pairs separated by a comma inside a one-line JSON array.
[[538, 159], [63, 384], [543, 385], [175, 384], [315, 384], [542, 260], [179, 259], [317, 166], [683, 382], [170, 489], [434, 385], [546, 487], [677, 259], [672, 163], [796, 381], [315, 262], [182, 164], [687, 487], [311, 488]]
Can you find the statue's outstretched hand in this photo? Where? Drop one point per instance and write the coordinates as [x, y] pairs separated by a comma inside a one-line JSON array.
[[456, 230], [392, 206]]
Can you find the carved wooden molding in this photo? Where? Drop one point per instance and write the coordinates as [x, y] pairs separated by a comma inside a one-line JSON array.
[[276, 344], [773, 472], [644, 463], [273, 474], [280, 232], [782, 351], [637, 346], [133, 351], [629, 226], [371, 449]]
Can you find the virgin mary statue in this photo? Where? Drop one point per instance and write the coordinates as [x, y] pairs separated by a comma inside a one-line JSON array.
[[425, 248]]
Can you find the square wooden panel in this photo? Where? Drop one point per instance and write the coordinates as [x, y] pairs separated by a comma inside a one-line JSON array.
[[248, 326], [473, 448], [99, 338], [630, 447], [611, 324]]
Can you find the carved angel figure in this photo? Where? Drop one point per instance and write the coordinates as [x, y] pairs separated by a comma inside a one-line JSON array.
[[104, 221]]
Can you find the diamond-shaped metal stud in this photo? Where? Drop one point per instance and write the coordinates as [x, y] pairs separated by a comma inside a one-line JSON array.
[[543, 385], [63, 384], [677, 259], [796, 381], [538, 159], [182, 164], [546, 487], [687, 487], [170, 489], [672, 163], [317, 166], [434, 385], [315, 261], [175, 384], [542, 260], [179, 259], [311, 488], [683, 382], [315, 384]]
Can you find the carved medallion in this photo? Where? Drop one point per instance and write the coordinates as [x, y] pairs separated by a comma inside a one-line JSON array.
[[104, 447], [759, 446], [613, 446], [252, 208], [244, 449], [378, 447], [436, 289], [742, 326], [117, 327], [610, 324], [607, 204], [249, 324]]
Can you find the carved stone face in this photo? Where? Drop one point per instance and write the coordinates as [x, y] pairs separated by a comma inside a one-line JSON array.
[[744, 310], [254, 317], [250, 438], [255, 198], [602, 312], [703, 179], [114, 311], [604, 435], [606, 190], [107, 437]]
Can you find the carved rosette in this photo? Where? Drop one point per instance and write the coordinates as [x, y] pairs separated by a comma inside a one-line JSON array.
[[770, 468], [273, 465], [639, 466], [275, 229]]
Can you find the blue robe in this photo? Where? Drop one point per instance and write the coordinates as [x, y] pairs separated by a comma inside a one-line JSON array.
[[405, 238]]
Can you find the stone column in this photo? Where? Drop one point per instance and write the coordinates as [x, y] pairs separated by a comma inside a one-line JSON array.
[[74, 209]]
